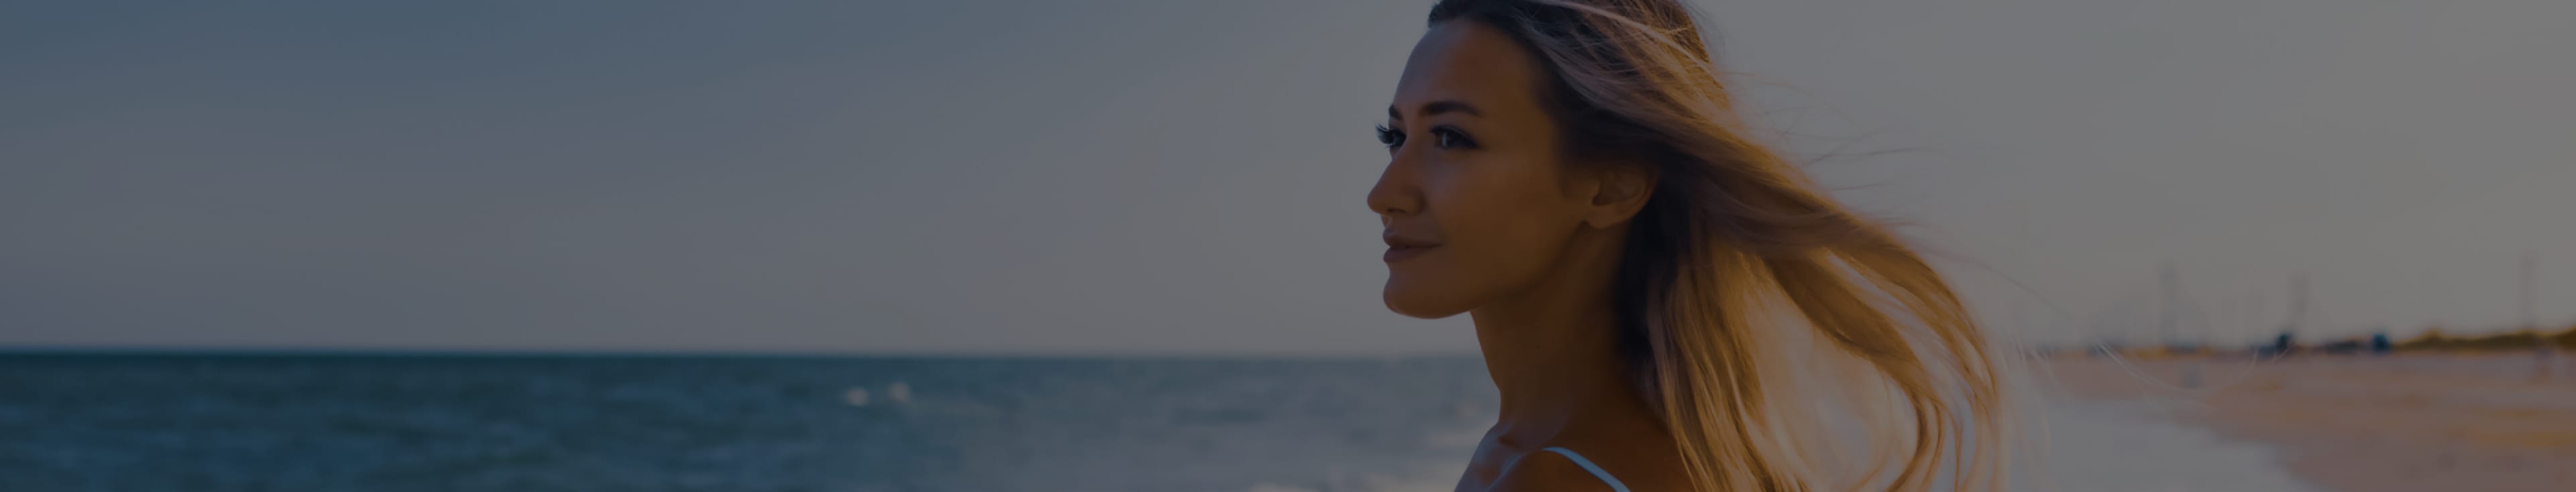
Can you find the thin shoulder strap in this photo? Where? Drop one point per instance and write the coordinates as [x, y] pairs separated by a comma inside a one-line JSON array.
[[1587, 465]]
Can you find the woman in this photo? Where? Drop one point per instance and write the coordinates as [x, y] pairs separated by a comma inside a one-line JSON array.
[[1663, 303]]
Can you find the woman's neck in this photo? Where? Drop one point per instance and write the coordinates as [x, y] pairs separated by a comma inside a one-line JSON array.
[[1553, 350]]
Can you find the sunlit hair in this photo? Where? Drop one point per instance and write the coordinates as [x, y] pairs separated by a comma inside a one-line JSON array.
[[1790, 344]]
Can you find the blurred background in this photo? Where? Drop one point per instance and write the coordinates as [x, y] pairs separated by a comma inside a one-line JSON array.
[[1120, 245]]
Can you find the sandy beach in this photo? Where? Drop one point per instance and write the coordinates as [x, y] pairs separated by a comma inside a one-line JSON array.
[[2403, 423]]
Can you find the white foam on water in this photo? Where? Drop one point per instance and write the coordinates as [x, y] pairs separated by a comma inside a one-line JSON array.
[[856, 397], [1459, 439], [898, 392]]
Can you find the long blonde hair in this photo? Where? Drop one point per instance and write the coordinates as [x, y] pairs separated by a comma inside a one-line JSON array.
[[1734, 251]]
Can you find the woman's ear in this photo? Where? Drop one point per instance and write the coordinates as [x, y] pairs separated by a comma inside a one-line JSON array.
[[1620, 192]]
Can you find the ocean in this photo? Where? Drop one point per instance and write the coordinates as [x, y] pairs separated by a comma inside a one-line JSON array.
[[376, 422]]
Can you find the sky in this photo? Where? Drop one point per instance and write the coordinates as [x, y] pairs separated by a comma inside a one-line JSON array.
[[1181, 177]]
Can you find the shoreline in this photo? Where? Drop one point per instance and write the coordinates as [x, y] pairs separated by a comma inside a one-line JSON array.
[[2399, 423]]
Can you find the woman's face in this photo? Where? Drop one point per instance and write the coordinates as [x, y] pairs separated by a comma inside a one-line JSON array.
[[1475, 197]]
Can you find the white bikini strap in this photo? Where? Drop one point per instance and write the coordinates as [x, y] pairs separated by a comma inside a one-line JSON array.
[[1588, 466]]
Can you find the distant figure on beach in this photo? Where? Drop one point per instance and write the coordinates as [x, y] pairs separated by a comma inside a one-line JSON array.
[[1662, 299], [2544, 364]]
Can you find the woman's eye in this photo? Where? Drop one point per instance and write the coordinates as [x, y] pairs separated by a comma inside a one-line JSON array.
[[1451, 138], [1390, 137]]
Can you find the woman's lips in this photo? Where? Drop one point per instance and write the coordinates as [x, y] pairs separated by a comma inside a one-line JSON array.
[[1400, 253], [1399, 248]]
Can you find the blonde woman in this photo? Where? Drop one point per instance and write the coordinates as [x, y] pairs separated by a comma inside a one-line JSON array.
[[1664, 303]]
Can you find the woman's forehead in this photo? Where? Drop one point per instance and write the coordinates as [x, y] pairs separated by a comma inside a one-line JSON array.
[[1471, 63]]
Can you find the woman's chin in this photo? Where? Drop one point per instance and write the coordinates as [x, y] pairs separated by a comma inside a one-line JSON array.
[[1418, 305]]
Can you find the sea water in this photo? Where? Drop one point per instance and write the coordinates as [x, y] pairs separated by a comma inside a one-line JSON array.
[[377, 422]]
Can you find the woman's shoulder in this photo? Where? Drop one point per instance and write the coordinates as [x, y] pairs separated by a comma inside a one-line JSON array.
[[1555, 469]]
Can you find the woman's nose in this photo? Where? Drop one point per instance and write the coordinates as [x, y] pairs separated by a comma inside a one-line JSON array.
[[1395, 193]]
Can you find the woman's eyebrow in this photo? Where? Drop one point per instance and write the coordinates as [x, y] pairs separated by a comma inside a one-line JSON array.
[[1437, 107]]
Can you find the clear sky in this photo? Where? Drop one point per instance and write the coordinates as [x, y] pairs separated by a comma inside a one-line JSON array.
[[1187, 177]]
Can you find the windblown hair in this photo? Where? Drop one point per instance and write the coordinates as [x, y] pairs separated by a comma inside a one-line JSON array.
[[1750, 301]]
